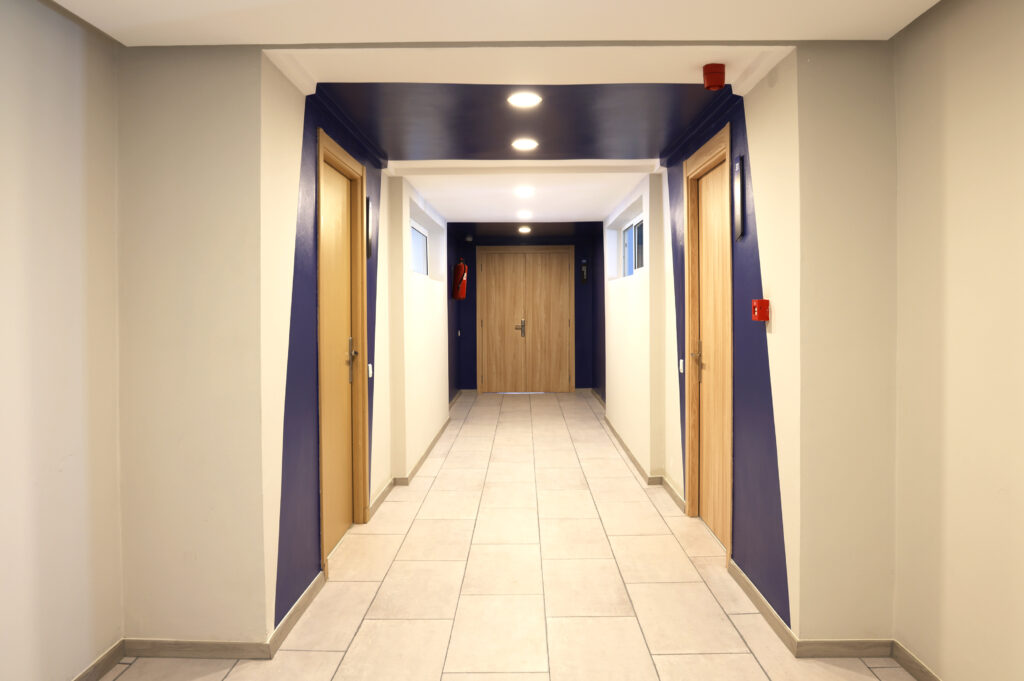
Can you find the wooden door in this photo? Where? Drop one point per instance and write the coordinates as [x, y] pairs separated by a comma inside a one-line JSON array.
[[335, 336], [343, 382], [501, 310], [531, 287], [549, 333], [709, 405]]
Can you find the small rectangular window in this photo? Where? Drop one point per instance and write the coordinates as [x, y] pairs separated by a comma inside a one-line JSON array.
[[632, 248], [419, 250]]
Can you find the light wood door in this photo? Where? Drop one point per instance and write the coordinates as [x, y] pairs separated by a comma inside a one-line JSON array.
[[549, 337], [531, 286], [335, 283], [715, 256]]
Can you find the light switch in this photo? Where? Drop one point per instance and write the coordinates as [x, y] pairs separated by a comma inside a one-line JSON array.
[[682, 366], [369, 370]]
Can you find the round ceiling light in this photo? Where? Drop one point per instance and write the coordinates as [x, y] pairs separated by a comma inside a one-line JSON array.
[[525, 229], [524, 100], [524, 191], [524, 214], [524, 144]]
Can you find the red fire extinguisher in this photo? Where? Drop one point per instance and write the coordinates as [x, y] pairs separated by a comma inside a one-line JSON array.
[[459, 280]]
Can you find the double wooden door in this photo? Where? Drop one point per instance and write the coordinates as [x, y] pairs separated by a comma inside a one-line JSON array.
[[526, 327]]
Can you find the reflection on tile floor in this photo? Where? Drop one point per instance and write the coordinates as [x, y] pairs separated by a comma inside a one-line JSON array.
[[526, 549]]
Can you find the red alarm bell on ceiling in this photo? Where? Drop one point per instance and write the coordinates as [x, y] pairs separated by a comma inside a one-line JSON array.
[[714, 76]]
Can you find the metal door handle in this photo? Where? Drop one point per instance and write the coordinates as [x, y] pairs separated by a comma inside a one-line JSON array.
[[521, 327]]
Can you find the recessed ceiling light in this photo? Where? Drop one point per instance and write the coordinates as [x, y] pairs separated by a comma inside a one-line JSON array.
[[524, 191], [524, 144], [525, 229], [524, 100], [524, 214]]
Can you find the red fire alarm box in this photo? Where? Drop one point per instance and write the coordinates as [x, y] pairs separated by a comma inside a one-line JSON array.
[[759, 310]]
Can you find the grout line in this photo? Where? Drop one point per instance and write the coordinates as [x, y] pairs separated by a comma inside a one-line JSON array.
[[223, 678], [338, 668], [540, 545]]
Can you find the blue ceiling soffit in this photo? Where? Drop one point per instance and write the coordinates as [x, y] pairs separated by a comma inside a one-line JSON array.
[[429, 121]]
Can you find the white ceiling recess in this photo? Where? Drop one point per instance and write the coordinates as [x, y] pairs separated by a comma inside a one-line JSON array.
[[325, 22], [745, 65], [564, 191]]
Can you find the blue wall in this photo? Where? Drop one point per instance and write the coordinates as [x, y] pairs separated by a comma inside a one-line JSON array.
[[298, 557], [587, 240], [758, 546]]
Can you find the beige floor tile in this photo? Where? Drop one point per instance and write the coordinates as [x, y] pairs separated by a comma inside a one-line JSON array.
[[695, 537], [598, 649], [512, 454], [561, 443], [510, 472], [573, 538], [631, 517], [449, 505], [332, 618], [555, 458], [663, 501], [892, 674], [605, 468], [393, 517], [176, 669], [363, 557], [459, 480], [729, 594], [572, 503], [472, 444], [419, 590], [415, 491], [497, 569], [655, 558], [288, 665], [495, 677], [595, 452], [584, 588], [115, 672], [683, 618], [430, 466], [498, 634], [396, 650], [875, 662], [477, 430], [506, 526], [437, 540], [560, 479], [509, 495], [519, 437], [478, 460], [780, 664], [617, 489], [729, 667]]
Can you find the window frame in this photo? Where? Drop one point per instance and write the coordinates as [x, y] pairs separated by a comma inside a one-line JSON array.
[[630, 244], [425, 233]]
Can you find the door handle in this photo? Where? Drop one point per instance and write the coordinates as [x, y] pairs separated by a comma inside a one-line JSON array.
[[352, 354], [521, 327]]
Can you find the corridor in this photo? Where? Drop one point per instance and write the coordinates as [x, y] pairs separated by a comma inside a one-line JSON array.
[[526, 549]]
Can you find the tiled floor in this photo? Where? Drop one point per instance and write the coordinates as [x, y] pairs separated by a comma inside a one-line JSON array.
[[527, 549]]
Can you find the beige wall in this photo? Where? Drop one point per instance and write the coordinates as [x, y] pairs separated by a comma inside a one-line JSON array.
[[773, 139], [959, 464], [281, 120], [380, 453], [190, 344], [60, 574]]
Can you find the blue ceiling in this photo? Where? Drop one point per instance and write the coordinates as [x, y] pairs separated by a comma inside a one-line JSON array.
[[426, 121]]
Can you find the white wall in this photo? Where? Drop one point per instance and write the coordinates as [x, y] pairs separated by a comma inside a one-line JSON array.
[[848, 349], [960, 245], [281, 120], [190, 344], [773, 139], [61, 531], [418, 314], [665, 372], [380, 453], [628, 396]]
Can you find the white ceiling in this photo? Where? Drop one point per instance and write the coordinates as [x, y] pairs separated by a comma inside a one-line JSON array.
[[305, 22], [745, 64], [563, 192]]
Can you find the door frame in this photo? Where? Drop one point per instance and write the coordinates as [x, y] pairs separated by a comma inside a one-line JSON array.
[[717, 150], [330, 153], [567, 248]]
